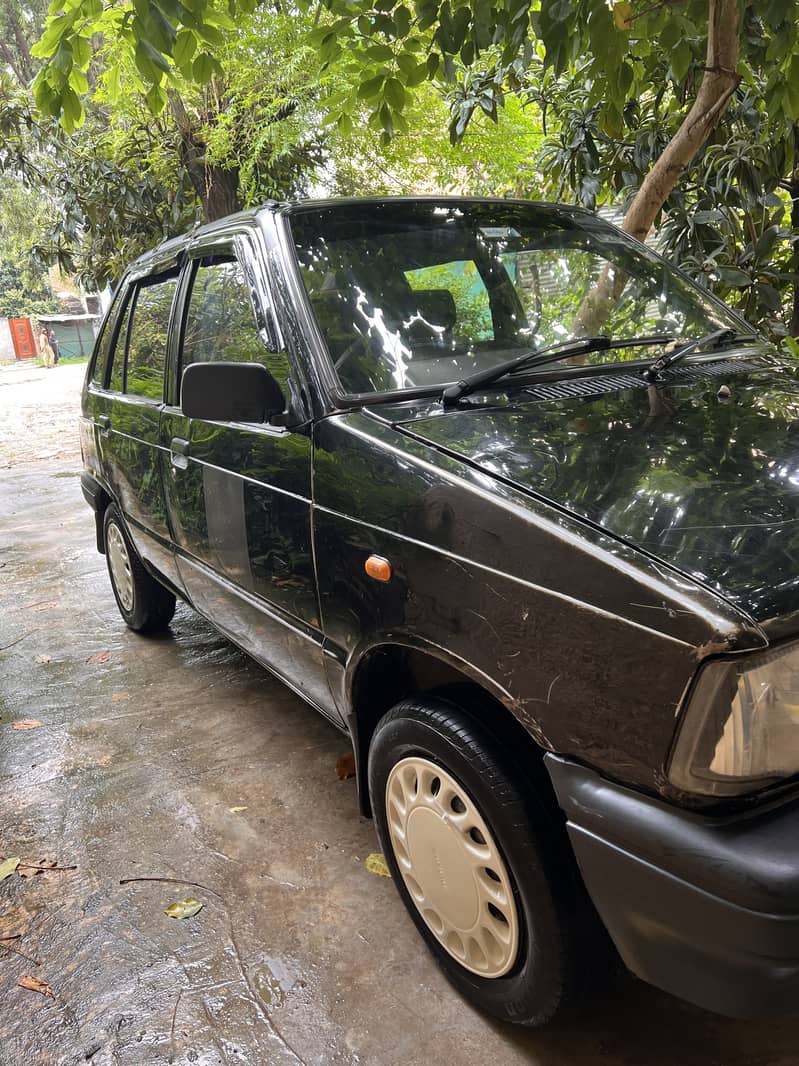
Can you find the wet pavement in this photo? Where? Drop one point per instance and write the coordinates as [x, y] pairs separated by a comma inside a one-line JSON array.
[[177, 757]]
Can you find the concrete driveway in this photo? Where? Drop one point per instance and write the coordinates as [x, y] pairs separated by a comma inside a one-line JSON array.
[[177, 758]]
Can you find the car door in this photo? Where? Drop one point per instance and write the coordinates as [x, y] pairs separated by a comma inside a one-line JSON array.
[[127, 402], [239, 495]]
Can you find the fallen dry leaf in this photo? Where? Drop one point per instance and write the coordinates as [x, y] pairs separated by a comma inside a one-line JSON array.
[[35, 985], [7, 868], [235, 810], [120, 696], [376, 864], [184, 908], [345, 766], [99, 657], [42, 659], [26, 723]]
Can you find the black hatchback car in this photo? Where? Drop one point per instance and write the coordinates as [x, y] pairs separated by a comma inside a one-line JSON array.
[[516, 505]]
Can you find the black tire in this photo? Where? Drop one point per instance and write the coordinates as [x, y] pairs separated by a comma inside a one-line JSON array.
[[543, 976], [143, 602]]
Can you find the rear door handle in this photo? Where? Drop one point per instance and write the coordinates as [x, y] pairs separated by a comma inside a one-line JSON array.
[[104, 422], [179, 453]]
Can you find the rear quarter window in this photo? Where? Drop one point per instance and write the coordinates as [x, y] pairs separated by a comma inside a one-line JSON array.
[[148, 335], [102, 348], [117, 356]]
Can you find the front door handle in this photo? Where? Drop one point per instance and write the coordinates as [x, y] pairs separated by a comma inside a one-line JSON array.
[[104, 422], [179, 453]]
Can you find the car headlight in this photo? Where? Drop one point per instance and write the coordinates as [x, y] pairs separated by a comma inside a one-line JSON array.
[[740, 730]]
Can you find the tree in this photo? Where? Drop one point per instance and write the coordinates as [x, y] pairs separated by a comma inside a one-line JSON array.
[[23, 295], [126, 178], [689, 57]]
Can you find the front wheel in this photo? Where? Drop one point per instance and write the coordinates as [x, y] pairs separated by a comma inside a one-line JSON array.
[[475, 859], [145, 604]]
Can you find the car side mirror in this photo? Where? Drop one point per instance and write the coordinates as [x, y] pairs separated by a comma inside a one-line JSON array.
[[230, 392]]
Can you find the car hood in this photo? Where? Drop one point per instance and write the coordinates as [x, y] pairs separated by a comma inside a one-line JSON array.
[[702, 472]]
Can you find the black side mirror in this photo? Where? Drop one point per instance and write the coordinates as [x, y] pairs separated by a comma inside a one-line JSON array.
[[230, 392]]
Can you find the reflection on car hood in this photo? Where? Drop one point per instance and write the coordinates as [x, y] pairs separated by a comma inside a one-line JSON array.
[[706, 482]]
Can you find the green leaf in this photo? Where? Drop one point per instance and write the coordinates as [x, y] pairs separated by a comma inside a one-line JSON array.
[[184, 908], [156, 99], [62, 60], [210, 34], [185, 47], [112, 83], [419, 73], [215, 17], [402, 20], [159, 30], [379, 52], [203, 68], [394, 93], [81, 51], [738, 279], [625, 79], [78, 81], [370, 89], [681, 57], [407, 63], [54, 31], [150, 62], [71, 109], [769, 296], [7, 868]]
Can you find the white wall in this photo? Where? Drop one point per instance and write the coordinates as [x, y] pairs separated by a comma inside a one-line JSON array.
[[6, 344]]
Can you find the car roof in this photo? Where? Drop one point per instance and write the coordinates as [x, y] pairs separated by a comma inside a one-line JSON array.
[[166, 253]]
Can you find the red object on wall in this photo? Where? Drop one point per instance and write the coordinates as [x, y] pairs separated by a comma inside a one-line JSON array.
[[22, 338]]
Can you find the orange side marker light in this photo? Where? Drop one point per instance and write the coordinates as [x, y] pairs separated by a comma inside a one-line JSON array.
[[378, 568]]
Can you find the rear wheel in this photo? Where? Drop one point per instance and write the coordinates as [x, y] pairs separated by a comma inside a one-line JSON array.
[[476, 859], [145, 604]]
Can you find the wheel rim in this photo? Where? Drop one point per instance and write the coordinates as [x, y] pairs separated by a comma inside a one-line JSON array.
[[452, 867], [119, 562]]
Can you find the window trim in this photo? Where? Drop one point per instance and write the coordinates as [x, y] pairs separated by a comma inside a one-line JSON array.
[[232, 247], [128, 297], [146, 281]]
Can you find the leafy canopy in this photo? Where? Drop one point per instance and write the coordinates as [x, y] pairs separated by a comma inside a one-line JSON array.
[[388, 48]]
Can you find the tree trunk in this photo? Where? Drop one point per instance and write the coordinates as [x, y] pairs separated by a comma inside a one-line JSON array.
[[718, 85], [216, 187]]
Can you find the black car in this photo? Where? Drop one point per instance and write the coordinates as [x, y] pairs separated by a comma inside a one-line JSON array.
[[516, 505]]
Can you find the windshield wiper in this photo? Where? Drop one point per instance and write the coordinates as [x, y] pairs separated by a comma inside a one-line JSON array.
[[715, 338], [551, 354]]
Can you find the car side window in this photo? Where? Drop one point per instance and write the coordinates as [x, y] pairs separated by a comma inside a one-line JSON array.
[[220, 325], [117, 356], [103, 345], [147, 343]]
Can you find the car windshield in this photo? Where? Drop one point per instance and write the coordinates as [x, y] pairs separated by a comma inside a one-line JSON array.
[[416, 294]]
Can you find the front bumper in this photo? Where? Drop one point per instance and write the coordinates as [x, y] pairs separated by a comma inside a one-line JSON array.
[[707, 909]]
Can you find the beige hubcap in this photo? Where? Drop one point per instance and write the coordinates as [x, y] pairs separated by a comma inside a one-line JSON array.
[[452, 867], [119, 561]]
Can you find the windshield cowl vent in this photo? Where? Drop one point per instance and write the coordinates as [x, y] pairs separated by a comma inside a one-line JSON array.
[[596, 386]]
